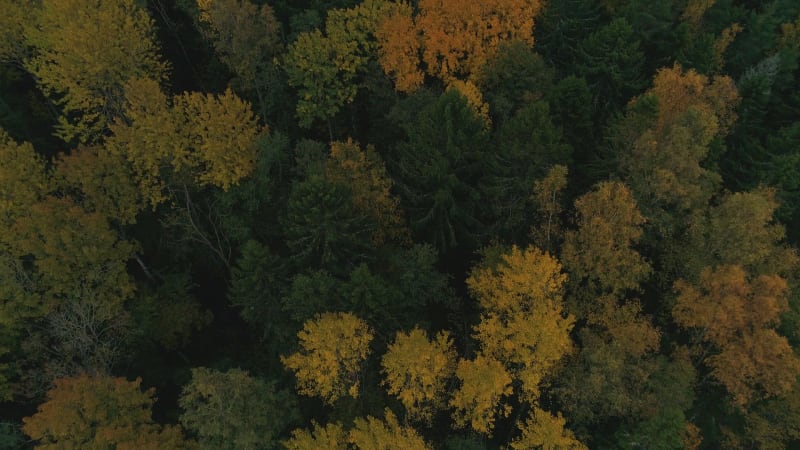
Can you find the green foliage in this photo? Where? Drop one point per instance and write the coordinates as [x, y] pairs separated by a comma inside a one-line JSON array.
[[611, 62], [437, 172], [233, 410], [323, 227]]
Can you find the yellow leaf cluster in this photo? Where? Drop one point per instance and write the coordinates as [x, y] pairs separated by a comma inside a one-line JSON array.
[[23, 180], [678, 91], [484, 382], [84, 52], [210, 136], [333, 346], [523, 324], [451, 39], [330, 437], [545, 431], [417, 371], [376, 434], [364, 173]]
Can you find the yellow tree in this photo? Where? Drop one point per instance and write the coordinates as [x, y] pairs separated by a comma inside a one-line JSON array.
[[375, 434], [484, 382], [735, 316], [330, 437], [542, 430], [209, 139], [451, 39], [99, 413], [84, 52], [523, 324], [364, 173], [417, 371], [332, 348]]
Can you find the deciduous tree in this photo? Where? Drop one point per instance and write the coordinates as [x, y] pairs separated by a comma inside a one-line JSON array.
[[85, 52], [328, 365], [99, 412], [417, 371]]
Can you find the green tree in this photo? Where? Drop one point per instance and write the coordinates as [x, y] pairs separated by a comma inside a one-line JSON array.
[[234, 410], [437, 171], [323, 227], [611, 62]]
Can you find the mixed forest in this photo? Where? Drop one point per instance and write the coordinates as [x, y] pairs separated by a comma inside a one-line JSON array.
[[399, 224]]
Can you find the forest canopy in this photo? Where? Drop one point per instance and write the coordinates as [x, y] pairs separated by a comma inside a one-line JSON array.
[[399, 224]]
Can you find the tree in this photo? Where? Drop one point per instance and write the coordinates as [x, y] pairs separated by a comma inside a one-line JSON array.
[[600, 252], [364, 173], [523, 325], [212, 137], [102, 181], [735, 315], [233, 410], [665, 137], [323, 227], [515, 77], [330, 437], [376, 434], [611, 62], [450, 39], [417, 370], [246, 38], [547, 197], [84, 54], [333, 346], [12, 41], [325, 66], [438, 171], [547, 432], [484, 381], [529, 145], [99, 412]]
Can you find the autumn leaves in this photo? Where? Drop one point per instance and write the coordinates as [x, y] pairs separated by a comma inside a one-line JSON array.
[[523, 333]]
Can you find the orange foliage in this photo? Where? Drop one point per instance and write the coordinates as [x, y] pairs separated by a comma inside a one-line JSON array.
[[737, 315], [452, 39]]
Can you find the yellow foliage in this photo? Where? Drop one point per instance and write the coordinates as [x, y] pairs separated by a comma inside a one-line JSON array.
[[484, 382], [85, 51], [737, 316], [452, 38], [417, 371], [364, 173], [472, 93], [330, 437], [375, 434], [523, 324], [210, 136], [12, 25], [547, 194], [333, 346], [399, 52], [545, 431]]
